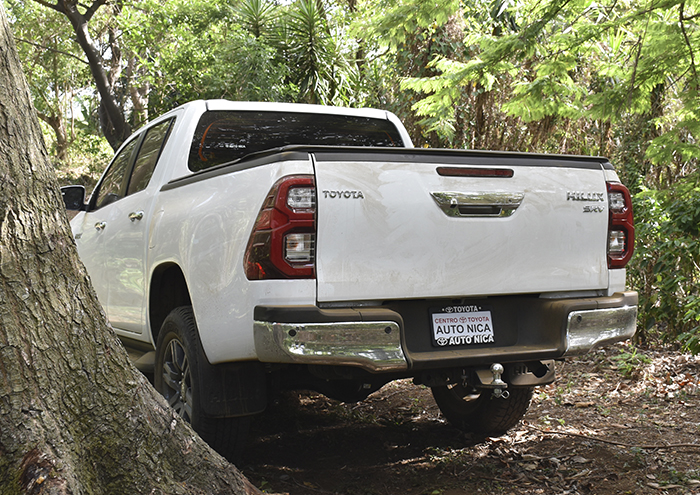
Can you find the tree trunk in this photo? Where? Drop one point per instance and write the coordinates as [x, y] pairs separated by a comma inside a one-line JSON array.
[[55, 121], [75, 416]]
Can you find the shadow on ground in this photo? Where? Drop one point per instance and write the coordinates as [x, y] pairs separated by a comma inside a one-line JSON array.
[[594, 431]]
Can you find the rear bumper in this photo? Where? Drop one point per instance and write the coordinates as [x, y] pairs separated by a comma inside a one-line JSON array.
[[588, 329], [370, 339], [378, 339]]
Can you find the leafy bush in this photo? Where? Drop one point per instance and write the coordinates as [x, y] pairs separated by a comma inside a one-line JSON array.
[[87, 157], [666, 267]]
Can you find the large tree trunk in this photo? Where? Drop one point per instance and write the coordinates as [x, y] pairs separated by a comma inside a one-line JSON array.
[[75, 416]]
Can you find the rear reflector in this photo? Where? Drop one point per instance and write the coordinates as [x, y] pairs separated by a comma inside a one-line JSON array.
[[620, 226], [474, 172]]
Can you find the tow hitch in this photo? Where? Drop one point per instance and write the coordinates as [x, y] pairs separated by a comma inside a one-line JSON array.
[[497, 377], [497, 384]]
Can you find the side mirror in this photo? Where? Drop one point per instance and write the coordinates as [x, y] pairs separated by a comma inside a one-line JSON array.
[[73, 197]]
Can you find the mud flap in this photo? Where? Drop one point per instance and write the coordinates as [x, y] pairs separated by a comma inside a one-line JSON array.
[[232, 389]]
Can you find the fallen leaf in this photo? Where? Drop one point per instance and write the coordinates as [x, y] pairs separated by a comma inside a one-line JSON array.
[[578, 475]]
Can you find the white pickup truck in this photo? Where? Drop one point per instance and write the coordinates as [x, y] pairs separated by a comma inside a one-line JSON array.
[[239, 249]]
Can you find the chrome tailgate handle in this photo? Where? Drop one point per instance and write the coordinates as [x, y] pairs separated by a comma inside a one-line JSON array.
[[486, 204]]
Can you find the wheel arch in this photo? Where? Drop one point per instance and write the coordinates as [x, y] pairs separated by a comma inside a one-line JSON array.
[[168, 290]]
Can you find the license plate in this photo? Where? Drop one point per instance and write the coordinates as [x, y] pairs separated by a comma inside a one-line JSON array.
[[462, 325]]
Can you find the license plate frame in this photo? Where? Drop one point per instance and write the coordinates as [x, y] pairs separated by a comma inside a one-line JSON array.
[[461, 326]]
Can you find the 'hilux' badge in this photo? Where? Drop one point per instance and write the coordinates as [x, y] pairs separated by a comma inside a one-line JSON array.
[[584, 196]]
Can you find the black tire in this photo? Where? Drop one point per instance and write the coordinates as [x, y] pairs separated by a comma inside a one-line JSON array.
[[477, 411], [178, 357]]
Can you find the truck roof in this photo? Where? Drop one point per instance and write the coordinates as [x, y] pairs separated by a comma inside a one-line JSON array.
[[222, 104]]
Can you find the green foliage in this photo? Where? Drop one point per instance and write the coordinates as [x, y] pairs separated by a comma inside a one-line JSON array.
[[576, 60], [615, 78], [666, 268], [87, 158], [629, 362], [311, 52], [407, 35], [395, 24], [56, 71], [192, 50], [258, 17]]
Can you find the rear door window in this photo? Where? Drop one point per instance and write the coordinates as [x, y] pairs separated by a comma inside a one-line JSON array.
[[148, 156], [225, 136]]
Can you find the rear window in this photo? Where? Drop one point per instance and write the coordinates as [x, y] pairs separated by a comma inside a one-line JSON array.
[[224, 136]]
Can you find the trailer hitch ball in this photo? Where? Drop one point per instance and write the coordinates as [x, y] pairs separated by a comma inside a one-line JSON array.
[[497, 383]]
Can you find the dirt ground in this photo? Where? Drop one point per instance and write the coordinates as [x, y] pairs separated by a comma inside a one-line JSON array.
[[617, 421]]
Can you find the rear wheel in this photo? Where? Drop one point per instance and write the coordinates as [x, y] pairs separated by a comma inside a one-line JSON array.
[[477, 411], [178, 358]]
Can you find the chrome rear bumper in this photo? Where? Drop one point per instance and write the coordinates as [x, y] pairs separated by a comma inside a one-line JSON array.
[[588, 329], [375, 345], [383, 339]]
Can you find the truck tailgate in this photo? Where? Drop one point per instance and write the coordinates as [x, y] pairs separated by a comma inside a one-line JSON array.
[[411, 224]]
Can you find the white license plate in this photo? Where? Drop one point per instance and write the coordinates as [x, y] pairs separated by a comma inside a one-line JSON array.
[[453, 327]]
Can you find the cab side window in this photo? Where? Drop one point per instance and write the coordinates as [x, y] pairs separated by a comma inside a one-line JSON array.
[[148, 156], [111, 187]]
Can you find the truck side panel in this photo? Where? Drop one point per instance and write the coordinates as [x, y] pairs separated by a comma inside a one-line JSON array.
[[204, 229]]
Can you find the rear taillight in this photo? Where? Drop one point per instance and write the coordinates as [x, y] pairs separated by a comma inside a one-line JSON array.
[[620, 226], [283, 241]]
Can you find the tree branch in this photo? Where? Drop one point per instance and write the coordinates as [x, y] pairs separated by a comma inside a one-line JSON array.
[[51, 6], [114, 126], [93, 8], [620, 444], [52, 50], [692, 17], [687, 42]]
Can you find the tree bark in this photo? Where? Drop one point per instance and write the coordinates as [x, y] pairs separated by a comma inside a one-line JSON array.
[[75, 416]]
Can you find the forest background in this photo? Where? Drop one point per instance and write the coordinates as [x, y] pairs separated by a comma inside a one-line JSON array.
[[617, 78]]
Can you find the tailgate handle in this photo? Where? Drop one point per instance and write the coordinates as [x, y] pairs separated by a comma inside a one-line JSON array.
[[486, 204]]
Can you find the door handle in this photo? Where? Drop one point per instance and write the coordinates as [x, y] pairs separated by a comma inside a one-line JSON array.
[[135, 215], [100, 226], [478, 204]]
